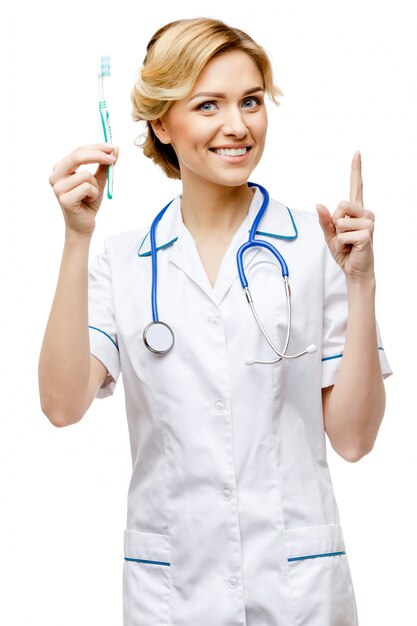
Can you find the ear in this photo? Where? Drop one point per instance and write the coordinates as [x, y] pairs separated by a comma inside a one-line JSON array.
[[160, 129]]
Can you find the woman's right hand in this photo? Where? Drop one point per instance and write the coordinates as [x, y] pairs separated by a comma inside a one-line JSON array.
[[79, 192]]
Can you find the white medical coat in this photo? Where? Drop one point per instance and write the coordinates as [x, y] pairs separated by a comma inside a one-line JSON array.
[[232, 518]]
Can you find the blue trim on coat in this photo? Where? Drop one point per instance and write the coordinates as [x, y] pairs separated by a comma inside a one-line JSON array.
[[338, 356], [165, 245], [127, 558], [108, 336], [328, 358], [287, 237], [314, 556]]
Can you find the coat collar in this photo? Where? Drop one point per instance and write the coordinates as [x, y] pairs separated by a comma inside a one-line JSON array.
[[173, 236]]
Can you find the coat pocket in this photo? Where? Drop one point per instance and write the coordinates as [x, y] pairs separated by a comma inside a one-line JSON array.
[[319, 577], [146, 579]]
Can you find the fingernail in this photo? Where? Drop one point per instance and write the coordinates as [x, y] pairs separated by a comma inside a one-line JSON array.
[[110, 157]]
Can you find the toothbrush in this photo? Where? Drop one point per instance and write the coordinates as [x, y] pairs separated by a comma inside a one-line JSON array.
[[104, 72]]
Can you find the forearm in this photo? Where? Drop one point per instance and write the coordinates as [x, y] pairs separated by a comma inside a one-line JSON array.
[[357, 402], [64, 363]]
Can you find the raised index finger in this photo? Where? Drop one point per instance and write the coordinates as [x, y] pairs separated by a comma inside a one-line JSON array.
[[356, 184]]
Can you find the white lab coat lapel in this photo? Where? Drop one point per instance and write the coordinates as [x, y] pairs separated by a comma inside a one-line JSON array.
[[180, 248], [185, 256]]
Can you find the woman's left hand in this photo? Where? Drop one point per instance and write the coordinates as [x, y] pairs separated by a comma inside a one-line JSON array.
[[348, 232]]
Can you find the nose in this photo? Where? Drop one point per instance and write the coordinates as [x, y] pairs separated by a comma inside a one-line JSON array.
[[233, 123]]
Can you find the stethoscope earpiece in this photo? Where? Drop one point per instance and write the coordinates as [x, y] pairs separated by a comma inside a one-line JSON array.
[[309, 350]]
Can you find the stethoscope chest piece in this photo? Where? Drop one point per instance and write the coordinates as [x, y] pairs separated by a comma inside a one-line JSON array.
[[158, 337]]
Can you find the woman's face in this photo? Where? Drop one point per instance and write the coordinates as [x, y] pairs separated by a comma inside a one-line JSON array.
[[231, 113]]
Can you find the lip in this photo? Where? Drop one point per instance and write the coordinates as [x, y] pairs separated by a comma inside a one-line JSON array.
[[232, 159]]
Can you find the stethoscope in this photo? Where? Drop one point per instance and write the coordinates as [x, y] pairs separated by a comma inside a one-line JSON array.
[[159, 336]]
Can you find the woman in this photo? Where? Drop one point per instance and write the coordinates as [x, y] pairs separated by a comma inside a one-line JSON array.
[[231, 513]]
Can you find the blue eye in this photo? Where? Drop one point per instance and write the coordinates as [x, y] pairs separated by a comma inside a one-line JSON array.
[[203, 104], [256, 102], [252, 98]]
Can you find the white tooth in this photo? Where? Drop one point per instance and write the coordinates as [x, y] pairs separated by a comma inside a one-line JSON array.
[[231, 151]]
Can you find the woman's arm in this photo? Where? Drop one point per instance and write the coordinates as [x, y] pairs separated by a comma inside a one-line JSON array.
[[68, 375], [354, 406]]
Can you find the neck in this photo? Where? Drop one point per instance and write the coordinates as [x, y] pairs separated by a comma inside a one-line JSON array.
[[212, 210]]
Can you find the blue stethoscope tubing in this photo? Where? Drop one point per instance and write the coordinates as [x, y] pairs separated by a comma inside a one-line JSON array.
[[252, 242], [159, 336]]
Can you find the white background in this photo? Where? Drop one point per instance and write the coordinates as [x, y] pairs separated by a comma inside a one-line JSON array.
[[347, 70]]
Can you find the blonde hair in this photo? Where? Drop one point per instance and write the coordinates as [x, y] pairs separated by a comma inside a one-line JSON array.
[[175, 56]]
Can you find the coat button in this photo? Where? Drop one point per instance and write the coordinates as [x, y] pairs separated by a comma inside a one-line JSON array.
[[232, 582], [227, 493], [213, 321], [219, 406]]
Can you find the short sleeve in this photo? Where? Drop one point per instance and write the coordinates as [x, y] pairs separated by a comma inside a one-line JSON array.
[[101, 320], [335, 313]]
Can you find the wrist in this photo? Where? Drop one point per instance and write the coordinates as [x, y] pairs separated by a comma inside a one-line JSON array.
[[74, 239], [361, 283], [361, 298]]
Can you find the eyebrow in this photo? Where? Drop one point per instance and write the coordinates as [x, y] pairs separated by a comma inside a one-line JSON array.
[[222, 95]]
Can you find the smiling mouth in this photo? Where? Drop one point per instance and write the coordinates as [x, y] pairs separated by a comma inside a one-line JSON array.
[[231, 152]]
